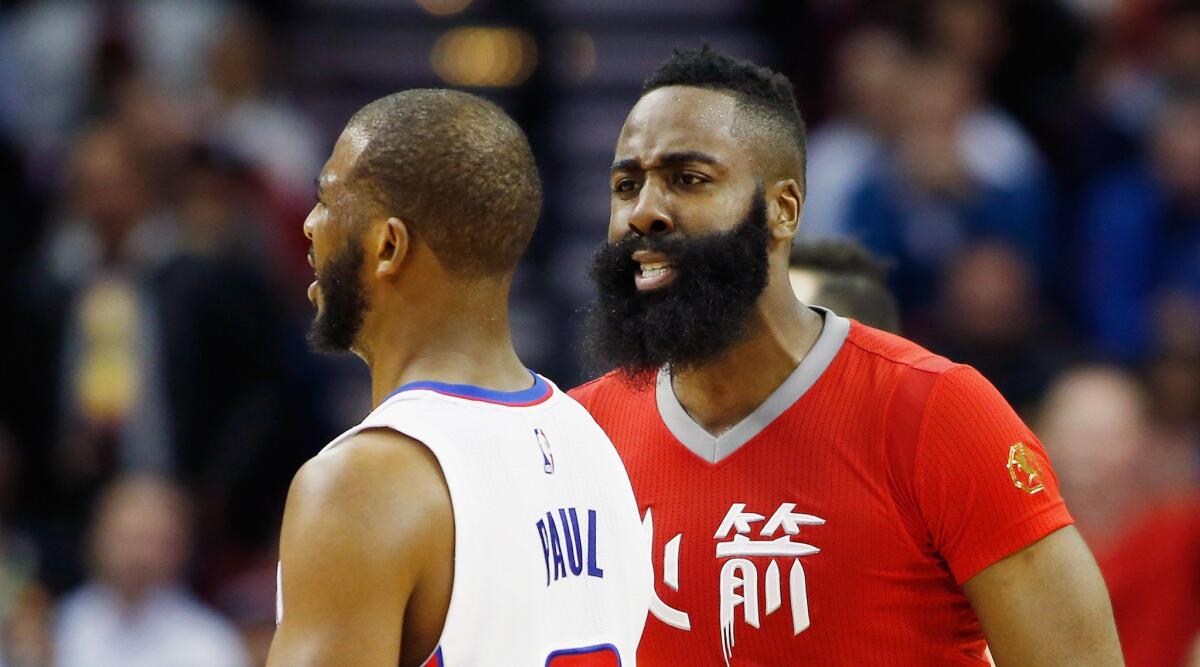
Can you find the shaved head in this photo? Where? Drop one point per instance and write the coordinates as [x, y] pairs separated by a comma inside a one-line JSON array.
[[457, 170], [767, 114]]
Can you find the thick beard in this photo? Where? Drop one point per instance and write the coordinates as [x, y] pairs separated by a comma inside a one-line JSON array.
[[344, 304], [696, 318]]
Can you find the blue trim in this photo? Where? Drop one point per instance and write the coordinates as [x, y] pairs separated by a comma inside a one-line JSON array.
[[535, 394], [598, 648]]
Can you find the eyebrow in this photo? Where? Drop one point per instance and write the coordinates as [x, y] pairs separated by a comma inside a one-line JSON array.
[[669, 160]]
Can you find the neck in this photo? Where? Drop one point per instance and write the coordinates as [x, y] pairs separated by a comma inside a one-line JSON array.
[[462, 340], [723, 392]]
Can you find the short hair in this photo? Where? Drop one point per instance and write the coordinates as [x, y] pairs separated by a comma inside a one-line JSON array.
[[764, 96], [852, 281], [459, 172]]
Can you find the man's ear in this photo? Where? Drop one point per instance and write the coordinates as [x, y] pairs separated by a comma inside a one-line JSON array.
[[392, 245], [786, 201]]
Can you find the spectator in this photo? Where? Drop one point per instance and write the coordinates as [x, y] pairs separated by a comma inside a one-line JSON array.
[[250, 120], [1095, 426], [66, 57], [149, 345], [1141, 233], [990, 316], [842, 150], [1144, 51], [842, 276], [134, 610], [960, 172], [1153, 577], [1173, 378]]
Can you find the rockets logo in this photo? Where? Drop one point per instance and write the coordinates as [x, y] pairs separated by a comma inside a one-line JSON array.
[[739, 582], [1023, 470]]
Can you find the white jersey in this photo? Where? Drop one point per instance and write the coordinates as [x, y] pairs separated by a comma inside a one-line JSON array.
[[550, 565]]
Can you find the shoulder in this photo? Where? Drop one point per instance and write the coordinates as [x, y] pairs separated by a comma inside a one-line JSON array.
[[81, 605], [613, 384], [922, 387], [352, 490], [893, 351]]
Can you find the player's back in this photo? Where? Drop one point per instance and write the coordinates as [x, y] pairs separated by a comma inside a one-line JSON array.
[[550, 567]]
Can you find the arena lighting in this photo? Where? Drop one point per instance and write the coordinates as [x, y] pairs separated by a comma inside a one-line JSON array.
[[580, 54], [484, 57], [444, 7]]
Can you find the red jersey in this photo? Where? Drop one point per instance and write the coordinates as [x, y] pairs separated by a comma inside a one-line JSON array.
[[836, 523]]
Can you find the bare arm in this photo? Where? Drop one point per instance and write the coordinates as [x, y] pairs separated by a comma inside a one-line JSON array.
[[1046, 605], [367, 527]]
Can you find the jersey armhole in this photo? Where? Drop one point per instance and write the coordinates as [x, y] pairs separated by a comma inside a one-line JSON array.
[[902, 435]]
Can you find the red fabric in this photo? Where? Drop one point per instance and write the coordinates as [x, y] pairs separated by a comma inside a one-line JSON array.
[[434, 660], [599, 656], [904, 455], [1153, 576]]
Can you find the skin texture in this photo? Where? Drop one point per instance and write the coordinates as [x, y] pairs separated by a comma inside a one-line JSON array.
[[681, 168], [365, 583], [1045, 605], [361, 585]]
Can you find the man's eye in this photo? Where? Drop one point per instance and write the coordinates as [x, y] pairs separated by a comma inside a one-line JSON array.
[[625, 185], [691, 179]]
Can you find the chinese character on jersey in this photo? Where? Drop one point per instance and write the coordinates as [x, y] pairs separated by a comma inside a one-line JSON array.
[[738, 539]]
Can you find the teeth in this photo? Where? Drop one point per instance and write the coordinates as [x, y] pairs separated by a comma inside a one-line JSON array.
[[655, 267]]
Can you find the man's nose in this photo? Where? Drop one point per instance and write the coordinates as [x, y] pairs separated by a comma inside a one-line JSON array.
[[650, 215]]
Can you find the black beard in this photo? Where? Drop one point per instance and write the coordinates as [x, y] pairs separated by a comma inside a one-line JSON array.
[[344, 304], [703, 312]]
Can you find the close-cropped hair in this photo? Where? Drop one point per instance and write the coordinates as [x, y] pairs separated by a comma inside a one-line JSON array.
[[765, 96], [458, 171]]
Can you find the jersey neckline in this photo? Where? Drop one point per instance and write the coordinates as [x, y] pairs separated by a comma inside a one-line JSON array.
[[714, 449], [538, 393]]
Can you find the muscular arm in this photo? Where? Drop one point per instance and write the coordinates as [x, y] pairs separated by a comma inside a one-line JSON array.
[[366, 553], [1046, 605]]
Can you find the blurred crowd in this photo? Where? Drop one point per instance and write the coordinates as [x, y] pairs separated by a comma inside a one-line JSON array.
[[1030, 169]]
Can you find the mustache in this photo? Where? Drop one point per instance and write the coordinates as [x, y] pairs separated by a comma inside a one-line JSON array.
[[671, 245]]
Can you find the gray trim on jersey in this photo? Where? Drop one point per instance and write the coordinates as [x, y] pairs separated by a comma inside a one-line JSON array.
[[712, 449]]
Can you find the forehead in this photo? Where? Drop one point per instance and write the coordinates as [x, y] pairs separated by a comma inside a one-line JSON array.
[[678, 119], [349, 146]]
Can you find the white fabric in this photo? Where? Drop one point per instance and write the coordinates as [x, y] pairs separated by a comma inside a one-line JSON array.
[[169, 629], [508, 606]]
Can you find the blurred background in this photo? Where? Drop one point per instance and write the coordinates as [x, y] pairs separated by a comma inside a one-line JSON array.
[[1031, 169]]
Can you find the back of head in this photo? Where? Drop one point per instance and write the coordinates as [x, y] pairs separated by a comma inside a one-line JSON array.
[[845, 277], [765, 98], [458, 171]]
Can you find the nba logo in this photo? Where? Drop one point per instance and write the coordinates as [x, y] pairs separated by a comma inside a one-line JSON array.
[[547, 455]]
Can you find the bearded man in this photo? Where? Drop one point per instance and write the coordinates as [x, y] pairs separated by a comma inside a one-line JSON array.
[[818, 491]]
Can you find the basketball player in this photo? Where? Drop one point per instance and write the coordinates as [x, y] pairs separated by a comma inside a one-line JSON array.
[[844, 277], [819, 492], [478, 516]]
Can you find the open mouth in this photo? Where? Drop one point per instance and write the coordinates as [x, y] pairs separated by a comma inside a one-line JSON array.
[[653, 272]]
